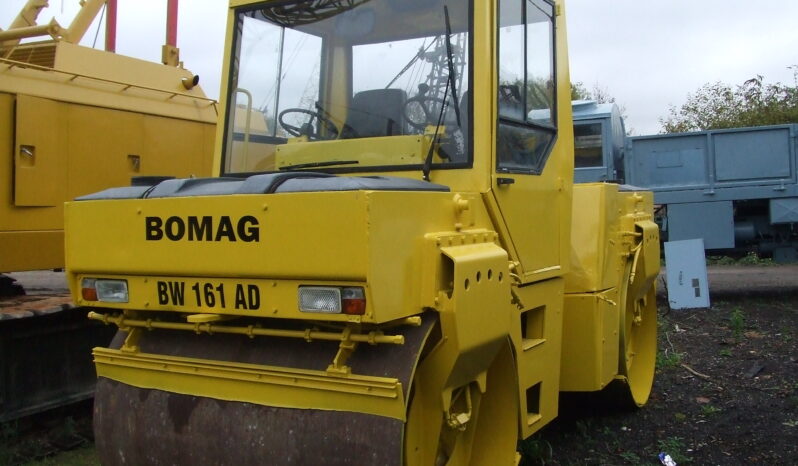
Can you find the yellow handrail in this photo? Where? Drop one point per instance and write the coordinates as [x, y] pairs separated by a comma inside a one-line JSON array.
[[172, 94], [308, 334]]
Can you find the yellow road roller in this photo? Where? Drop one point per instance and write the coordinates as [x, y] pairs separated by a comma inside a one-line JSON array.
[[392, 265]]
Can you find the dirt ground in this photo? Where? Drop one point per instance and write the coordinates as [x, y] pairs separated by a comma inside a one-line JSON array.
[[725, 392]]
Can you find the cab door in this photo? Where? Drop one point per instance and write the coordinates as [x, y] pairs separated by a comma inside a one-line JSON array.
[[532, 171]]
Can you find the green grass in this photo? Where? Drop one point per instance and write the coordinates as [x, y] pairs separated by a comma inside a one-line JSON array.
[[708, 410], [84, 456], [675, 447], [630, 457], [665, 360], [737, 322], [535, 449], [721, 260], [751, 258], [8, 437]]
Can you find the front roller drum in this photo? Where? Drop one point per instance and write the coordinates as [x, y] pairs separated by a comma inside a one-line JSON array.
[[146, 426], [136, 426]]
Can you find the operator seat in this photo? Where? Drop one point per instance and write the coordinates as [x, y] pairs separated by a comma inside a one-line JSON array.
[[458, 152], [375, 113]]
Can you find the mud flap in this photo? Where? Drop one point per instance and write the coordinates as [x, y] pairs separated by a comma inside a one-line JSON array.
[[146, 426]]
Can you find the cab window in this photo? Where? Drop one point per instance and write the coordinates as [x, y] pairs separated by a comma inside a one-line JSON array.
[[310, 80], [588, 145], [527, 91]]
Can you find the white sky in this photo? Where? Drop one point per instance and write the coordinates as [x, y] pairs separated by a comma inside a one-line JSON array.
[[648, 54]]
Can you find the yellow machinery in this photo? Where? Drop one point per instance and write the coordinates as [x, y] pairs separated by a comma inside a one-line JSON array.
[[394, 269], [74, 120]]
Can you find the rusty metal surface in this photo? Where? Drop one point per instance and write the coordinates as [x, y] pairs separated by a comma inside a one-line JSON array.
[[135, 426], [29, 294], [29, 306]]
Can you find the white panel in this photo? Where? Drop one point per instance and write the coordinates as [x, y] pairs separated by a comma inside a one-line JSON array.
[[686, 270]]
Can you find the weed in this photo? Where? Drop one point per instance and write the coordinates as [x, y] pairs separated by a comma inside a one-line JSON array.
[[753, 258], [737, 322], [675, 447], [726, 353], [536, 450], [668, 359], [630, 457], [8, 436], [584, 427], [720, 260], [708, 410], [86, 456], [791, 423]]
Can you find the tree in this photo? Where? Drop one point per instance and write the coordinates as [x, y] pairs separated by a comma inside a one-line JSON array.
[[579, 91], [598, 93], [719, 105], [540, 92]]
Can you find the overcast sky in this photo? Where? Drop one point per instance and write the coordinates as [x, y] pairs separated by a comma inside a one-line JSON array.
[[648, 54]]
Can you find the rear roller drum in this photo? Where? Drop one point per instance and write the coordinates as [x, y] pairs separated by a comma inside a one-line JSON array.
[[638, 338]]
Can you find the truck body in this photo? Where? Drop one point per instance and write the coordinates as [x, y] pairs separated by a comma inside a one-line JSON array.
[[396, 269], [737, 189]]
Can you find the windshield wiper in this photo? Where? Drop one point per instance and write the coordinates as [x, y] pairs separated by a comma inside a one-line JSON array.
[[425, 169], [329, 163], [450, 60]]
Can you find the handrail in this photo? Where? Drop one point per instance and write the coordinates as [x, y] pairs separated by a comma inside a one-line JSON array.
[[247, 127], [308, 334], [19, 64]]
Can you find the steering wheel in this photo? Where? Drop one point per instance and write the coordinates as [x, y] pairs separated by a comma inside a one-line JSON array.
[[423, 100], [308, 129]]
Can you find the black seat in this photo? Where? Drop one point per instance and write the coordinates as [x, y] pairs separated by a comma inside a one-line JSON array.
[[375, 113]]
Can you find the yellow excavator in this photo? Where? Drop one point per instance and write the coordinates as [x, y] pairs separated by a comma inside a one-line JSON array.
[[396, 269]]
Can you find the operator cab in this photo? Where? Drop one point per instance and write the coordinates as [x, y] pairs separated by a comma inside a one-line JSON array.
[[311, 80]]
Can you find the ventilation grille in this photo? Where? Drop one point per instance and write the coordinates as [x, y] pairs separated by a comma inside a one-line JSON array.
[[38, 54]]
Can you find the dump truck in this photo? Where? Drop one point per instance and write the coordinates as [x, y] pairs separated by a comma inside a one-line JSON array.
[[75, 120], [398, 270]]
